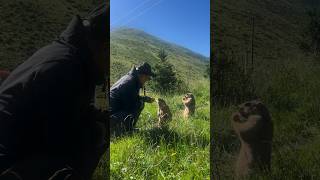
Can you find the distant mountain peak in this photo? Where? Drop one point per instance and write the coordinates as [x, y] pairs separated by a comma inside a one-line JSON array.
[[131, 46], [133, 32]]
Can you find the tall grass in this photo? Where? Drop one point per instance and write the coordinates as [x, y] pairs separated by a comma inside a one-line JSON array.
[[180, 151], [290, 91]]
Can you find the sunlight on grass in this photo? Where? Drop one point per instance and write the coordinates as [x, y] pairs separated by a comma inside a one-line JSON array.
[[291, 96], [179, 151]]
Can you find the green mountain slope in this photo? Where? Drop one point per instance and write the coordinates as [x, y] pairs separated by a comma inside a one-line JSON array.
[[28, 25], [285, 79], [132, 46], [180, 150], [277, 25], [278, 31]]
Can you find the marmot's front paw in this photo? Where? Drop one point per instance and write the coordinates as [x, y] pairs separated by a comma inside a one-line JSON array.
[[237, 117]]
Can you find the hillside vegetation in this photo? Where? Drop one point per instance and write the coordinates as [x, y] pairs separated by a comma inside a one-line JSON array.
[[29, 25], [131, 47], [180, 151], [284, 77]]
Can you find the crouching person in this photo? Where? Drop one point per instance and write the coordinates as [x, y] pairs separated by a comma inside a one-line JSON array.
[[125, 102]]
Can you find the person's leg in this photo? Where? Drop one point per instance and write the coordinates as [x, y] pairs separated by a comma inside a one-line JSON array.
[[5, 160], [121, 122], [137, 114], [40, 167], [79, 163], [66, 173], [88, 160], [93, 145], [90, 156]]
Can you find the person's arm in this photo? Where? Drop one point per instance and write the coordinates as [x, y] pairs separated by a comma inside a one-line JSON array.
[[129, 97], [147, 99], [56, 83], [60, 86], [101, 128], [56, 96]]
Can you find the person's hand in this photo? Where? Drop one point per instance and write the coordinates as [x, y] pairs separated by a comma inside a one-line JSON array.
[[152, 100], [148, 99]]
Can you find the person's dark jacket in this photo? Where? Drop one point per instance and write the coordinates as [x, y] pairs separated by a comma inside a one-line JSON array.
[[3, 75], [46, 103], [124, 94]]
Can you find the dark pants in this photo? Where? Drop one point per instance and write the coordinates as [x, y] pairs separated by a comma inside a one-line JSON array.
[[44, 164], [122, 121], [41, 167]]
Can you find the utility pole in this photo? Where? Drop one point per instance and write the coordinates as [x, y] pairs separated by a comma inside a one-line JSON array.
[[246, 57], [252, 44]]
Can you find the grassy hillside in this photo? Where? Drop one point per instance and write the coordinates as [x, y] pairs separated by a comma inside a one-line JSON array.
[[180, 151], [132, 46], [28, 25], [285, 79]]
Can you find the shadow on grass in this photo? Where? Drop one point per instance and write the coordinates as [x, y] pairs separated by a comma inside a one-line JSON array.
[[155, 136], [120, 133]]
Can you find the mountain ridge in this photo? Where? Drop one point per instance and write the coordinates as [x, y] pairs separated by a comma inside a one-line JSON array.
[[141, 32], [131, 46], [29, 25], [278, 25]]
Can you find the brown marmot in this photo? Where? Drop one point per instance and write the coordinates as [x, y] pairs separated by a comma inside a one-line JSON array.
[[253, 126], [164, 113], [189, 103]]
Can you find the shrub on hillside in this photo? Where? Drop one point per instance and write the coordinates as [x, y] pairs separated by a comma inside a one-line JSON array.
[[284, 89], [311, 41], [166, 80]]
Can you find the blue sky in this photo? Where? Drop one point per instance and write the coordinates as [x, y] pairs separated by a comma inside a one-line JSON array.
[[183, 22]]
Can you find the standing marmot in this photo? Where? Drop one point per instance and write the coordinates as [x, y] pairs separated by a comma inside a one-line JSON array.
[[253, 125], [164, 113], [189, 105]]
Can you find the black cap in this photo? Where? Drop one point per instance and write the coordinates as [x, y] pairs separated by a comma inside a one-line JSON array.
[[145, 68]]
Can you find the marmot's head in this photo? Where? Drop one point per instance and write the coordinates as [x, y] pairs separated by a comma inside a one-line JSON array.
[[161, 103], [249, 108], [188, 99]]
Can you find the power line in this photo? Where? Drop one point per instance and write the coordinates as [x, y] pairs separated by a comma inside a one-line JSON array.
[[131, 11], [142, 12]]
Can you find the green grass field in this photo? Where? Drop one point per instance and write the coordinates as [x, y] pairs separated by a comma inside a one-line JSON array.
[[291, 94], [285, 78], [180, 151]]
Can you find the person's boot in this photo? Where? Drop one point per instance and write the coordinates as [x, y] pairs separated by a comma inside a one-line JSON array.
[[10, 175], [65, 174]]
